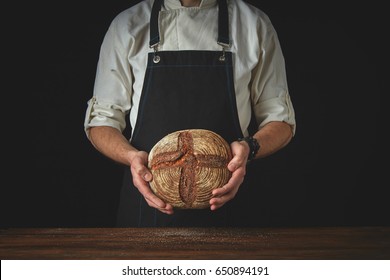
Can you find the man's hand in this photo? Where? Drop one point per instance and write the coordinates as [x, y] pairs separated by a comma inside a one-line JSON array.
[[237, 166], [142, 177]]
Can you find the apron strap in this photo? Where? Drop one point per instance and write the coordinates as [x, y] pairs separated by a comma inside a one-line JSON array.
[[223, 24], [154, 33]]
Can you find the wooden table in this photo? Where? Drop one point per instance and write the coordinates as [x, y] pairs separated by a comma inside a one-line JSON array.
[[367, 243]]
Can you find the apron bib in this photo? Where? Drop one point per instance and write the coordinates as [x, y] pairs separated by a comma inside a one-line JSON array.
[[182, 90]]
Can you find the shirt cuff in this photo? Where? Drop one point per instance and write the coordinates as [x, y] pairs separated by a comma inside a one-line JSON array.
[[276, 109], [104, 114]]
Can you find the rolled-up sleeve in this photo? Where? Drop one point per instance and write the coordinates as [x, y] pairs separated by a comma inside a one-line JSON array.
[[112, 91], [270, 95], [104, 114]]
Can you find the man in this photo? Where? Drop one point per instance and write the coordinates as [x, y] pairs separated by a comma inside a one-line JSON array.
[[175, 65]]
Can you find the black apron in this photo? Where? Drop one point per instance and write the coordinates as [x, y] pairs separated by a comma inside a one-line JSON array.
[[182, 90]]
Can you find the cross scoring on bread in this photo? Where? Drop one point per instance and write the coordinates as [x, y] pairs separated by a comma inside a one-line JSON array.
[[188, 160]]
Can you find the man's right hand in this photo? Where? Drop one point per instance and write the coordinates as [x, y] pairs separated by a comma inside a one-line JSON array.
[[141, 178]]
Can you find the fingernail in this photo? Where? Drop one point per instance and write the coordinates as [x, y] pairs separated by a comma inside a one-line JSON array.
[[232, 166], [147, 177]]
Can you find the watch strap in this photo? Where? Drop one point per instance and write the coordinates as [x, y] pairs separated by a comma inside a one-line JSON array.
[[253, 144]]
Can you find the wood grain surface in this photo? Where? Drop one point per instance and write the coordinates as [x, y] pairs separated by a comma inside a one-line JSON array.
[[196, 243]]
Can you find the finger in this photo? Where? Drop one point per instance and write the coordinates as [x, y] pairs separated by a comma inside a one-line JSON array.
[[228, 191], [240, 152], [168, 209], [141, 178], [153, 200], [218, 201], [234, 182], [237, 162], [142, 171], [141, 183], [222, 190]]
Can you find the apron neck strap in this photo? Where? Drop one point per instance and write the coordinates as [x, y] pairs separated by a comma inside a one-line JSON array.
[[223, 24]]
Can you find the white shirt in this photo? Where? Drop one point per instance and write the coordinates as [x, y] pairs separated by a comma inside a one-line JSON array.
[[258, 62]]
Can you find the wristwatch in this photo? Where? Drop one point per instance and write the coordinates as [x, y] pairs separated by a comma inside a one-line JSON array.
[[253, 144]]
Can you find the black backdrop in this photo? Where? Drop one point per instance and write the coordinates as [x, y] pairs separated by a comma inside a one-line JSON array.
[[332, 173]]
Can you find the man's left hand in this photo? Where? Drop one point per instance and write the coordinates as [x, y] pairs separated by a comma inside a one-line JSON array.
[[237, 166]]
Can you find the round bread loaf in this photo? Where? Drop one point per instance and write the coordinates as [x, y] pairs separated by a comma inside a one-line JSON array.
[[187, 165]]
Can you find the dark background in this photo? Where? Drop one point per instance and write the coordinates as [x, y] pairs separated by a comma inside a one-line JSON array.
[[332, 173]]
